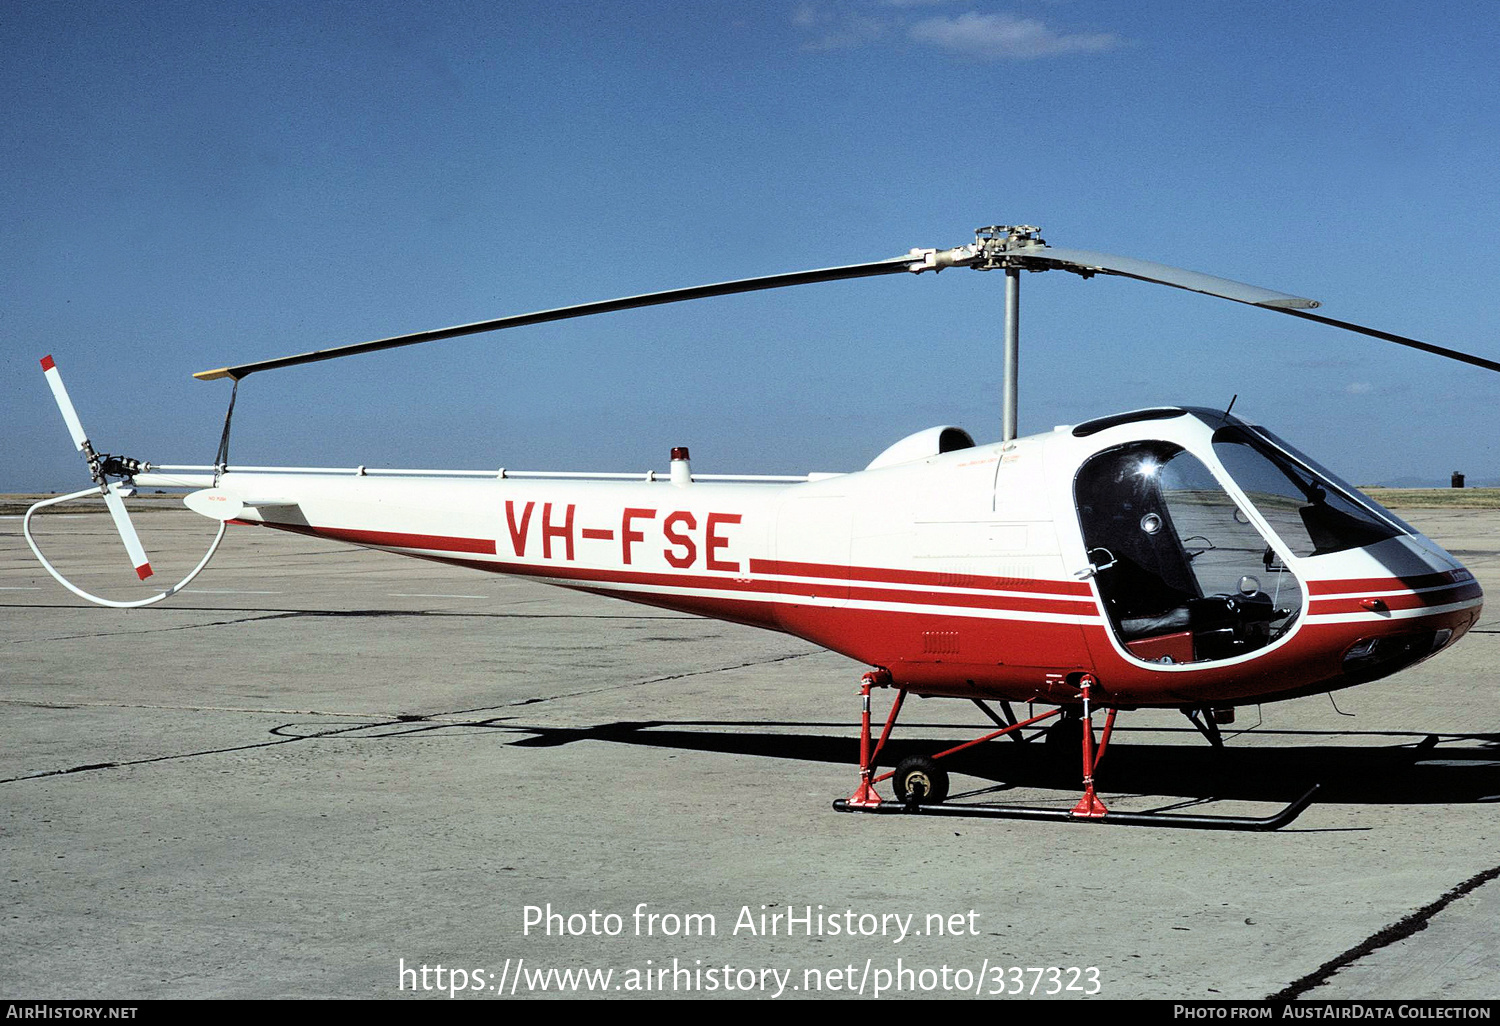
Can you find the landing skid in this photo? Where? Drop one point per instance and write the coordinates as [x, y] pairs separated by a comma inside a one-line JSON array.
[[1157, 819], [922, 786]]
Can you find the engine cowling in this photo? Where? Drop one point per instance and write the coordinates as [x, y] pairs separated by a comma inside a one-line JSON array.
[[931, 442]]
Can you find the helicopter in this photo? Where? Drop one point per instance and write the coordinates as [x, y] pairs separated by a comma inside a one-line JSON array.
[[1173, 557]]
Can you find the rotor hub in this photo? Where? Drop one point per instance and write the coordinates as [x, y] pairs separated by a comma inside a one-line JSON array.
[[998, 245], [995, 247]]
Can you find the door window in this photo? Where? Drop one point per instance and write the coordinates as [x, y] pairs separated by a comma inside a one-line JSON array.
[[1184, 575]]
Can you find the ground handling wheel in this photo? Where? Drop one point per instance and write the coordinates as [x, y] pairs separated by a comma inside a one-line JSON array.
[[920, 781]]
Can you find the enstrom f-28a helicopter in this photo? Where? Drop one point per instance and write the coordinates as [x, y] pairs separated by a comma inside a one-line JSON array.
[[1174, 557]]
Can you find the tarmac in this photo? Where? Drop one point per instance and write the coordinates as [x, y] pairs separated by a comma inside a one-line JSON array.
[[321, 769]]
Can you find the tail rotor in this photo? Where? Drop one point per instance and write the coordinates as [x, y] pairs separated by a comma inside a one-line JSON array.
[[101, 469], [114, 482]]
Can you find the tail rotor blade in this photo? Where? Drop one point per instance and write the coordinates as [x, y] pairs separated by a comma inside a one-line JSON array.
[[65, 404], [112, 491], [133, 547]]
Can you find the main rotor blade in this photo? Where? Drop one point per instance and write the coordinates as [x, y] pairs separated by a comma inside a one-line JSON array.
[[1082, 261], [1400, 340], [65, 404], [132, 540], [1021, 248], [891, 265]]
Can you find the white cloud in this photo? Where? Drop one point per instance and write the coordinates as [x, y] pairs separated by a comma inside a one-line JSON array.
[[1006, 36], [836, 29], [1359, 388]]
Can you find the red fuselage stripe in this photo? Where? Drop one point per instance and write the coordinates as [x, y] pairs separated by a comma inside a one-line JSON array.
[[1443, 597], [882, 575], [831, 581], [1453, 577], [1039, 604], [395, 539], [1051, 596], [775, 589]]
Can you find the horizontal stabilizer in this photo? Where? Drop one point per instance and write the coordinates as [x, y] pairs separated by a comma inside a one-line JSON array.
[[214, 504], [217, 504]]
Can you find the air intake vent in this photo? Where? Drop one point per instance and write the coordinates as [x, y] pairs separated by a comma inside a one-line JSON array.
[[940, 642]]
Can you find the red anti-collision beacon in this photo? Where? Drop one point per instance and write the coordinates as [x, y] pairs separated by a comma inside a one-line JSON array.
[[682, 473]]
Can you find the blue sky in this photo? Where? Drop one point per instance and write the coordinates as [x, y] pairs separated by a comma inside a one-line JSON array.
[[192, 185]]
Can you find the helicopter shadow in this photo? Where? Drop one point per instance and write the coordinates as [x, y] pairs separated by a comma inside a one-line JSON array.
[[1416, 769]]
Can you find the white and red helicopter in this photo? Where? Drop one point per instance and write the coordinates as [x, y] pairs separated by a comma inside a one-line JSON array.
[[1172, 557]]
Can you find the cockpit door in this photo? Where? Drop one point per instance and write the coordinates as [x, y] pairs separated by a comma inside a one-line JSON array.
[[1182, 572]]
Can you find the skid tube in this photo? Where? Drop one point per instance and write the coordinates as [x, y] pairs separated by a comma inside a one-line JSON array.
[[1157, 819], [1089, 809]]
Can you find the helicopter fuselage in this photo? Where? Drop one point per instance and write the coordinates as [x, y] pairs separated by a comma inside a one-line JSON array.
[[1180, 557]]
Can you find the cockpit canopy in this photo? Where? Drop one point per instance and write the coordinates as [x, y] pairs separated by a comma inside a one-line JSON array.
[[1184, 572]]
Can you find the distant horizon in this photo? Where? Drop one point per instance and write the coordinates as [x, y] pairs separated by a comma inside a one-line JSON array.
[[1397, 483]]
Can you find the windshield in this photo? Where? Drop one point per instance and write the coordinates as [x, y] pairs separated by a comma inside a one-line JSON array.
[[1344, 486], [1310, 513]]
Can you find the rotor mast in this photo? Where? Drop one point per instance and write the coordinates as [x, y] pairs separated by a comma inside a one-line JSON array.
[[996, 247], [996, 243], [1011, 385]]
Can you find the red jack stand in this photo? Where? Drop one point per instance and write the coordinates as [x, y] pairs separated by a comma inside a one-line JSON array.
[[1089, 806], [864, 796]]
